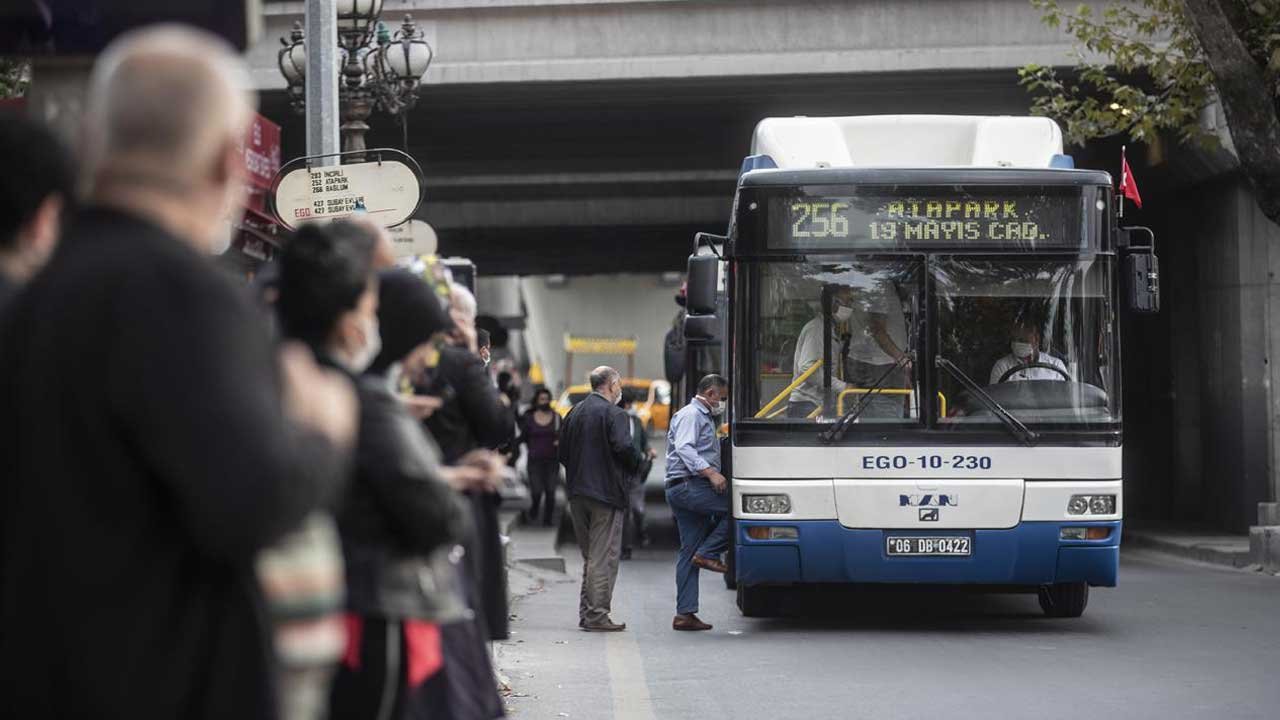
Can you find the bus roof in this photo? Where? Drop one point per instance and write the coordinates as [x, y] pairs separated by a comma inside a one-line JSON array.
[[924, 176], [904, 141]]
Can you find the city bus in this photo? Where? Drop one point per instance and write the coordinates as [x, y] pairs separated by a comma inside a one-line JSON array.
[[922, 343]]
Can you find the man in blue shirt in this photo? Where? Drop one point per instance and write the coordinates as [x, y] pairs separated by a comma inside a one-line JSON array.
[[696, 493]]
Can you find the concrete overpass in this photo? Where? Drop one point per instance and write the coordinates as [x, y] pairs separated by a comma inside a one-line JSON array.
[[614, 129]]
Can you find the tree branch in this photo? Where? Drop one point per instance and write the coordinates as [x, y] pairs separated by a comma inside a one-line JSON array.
[[1246, 101]]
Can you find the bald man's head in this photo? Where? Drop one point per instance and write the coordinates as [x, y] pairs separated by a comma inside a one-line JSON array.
[[170, 106], [170, 95]]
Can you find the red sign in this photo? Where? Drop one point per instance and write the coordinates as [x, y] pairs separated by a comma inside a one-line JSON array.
[[261, 159], [262, 152]]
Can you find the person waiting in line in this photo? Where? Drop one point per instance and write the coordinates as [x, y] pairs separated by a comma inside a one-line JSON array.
[[484, 346], [633, 528], [400, 516], [135, 505], [696, 492], [598, 457], [472, 417], [540, 432], [1025, 342], [34, 196]]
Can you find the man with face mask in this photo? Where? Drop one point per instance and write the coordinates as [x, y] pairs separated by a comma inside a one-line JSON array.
[[697, 494], [1024, 353], [808, 395]]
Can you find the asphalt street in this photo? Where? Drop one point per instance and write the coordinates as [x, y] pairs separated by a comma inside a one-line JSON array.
[[1174, 640]]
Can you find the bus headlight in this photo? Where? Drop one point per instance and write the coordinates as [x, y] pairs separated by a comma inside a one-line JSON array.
[[1092, 505], [1102, 505], [766, 504]]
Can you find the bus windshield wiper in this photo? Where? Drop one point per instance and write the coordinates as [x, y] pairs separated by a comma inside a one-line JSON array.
[[842, 425], [1016, 426]]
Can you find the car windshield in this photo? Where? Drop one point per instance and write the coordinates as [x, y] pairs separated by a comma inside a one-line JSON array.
[[577, 397], [1037, 336], [828, 334]]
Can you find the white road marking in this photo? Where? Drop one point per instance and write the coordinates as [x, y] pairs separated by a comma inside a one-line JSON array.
[[626, 677]]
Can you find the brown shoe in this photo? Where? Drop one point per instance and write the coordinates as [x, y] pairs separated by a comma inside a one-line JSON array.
[[710, 564], [688, 622], [606, 625]]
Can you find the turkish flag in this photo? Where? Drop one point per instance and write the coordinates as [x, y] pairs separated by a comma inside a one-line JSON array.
[[1128, 186]]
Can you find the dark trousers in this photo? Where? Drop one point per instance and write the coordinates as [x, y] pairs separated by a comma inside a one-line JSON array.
[[544, 477]]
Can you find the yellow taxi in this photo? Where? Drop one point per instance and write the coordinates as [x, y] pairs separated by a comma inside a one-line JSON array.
[[652, 401]]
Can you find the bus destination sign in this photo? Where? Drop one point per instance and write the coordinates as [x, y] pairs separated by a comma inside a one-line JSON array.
[[916, 221]]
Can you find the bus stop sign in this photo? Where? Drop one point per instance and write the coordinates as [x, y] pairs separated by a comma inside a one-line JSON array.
[[387, 190]]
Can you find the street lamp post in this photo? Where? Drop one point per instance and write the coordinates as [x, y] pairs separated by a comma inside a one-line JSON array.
[[379, 69]]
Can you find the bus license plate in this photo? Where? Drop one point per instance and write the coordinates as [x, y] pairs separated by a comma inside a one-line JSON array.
[[949, 545]]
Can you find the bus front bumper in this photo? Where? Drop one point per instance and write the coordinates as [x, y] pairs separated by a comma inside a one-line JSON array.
[[1029, 554]]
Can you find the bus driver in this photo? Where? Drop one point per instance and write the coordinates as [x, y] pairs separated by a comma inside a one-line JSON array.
[[1024, 346]]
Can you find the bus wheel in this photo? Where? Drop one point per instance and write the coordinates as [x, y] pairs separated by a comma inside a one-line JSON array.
[[1064, 600], [758, 601]]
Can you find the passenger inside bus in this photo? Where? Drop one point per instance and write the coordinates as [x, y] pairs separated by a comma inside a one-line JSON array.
[[808, 395], [1025, 360], [869, 339]]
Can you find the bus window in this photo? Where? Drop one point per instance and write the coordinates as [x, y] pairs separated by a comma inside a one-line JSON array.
[[1036, 335], [869, 308]]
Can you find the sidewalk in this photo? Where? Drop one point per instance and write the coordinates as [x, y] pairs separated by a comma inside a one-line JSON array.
[[1217, 549]]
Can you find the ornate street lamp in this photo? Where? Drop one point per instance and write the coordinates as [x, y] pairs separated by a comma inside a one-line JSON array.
[[378, 69]]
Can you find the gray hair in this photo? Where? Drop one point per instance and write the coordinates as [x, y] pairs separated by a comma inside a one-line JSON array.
[[711, 381], [602, 377], [462, 299], [167, 97]]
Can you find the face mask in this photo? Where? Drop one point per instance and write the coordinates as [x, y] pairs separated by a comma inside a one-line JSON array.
[[372, 345], [843, 313], [718, 409], [1021, 349], [543, 405]]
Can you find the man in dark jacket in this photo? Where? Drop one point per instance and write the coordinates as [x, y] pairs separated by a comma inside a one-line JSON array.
[[473, 417], [599, 460], [134, 505], [33, 196]]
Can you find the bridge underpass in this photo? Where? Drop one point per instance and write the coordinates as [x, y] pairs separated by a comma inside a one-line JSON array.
[[574, 178], [579, 138]]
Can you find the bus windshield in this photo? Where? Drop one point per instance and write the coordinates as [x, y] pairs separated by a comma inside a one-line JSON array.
[[829, 333], [1035, 334]]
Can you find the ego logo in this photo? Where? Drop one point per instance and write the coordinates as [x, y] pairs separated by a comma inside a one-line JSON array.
[[928, 500]]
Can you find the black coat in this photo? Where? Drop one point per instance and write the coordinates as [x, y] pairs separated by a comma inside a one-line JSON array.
[[597, 452], [144, 461], [472, 416], [399, 519]]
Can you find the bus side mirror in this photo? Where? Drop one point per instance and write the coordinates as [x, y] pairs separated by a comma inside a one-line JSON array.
[[1143, 270], [700, 327], [704, 275]]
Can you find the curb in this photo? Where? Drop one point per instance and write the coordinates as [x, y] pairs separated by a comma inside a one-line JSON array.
[[1188, 548], [510, 526]]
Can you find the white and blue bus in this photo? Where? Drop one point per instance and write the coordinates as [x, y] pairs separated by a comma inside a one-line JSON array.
[[923, 352]]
